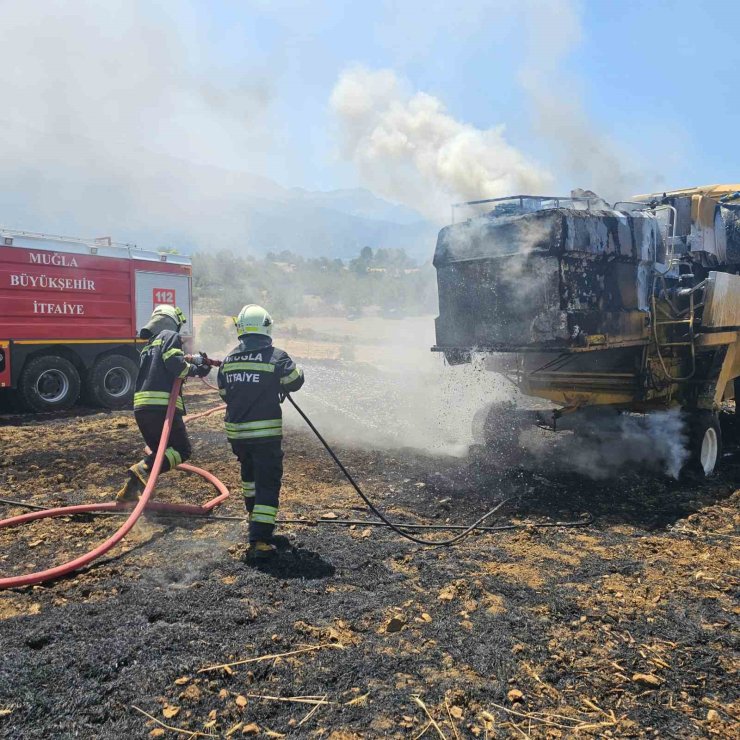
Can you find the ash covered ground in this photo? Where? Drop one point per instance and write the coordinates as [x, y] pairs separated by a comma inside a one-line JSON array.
[[625, 628]]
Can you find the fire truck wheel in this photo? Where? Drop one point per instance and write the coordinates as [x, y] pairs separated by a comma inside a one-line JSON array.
[[705, 443], [111, 381], [49, 383]]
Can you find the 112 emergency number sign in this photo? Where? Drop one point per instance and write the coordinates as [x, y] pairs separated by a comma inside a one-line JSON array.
[[164, 296]]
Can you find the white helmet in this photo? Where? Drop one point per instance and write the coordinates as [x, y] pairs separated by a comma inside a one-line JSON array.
[[253, 319], [172, 312], [163, 317]]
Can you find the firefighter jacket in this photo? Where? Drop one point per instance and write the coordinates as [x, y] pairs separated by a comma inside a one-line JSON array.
[[162, 361], [251, 380]]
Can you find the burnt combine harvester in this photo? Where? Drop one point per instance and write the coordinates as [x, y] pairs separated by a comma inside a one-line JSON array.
[[627, 308]]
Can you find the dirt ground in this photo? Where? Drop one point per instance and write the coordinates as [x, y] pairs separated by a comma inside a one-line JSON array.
[[625, 628]]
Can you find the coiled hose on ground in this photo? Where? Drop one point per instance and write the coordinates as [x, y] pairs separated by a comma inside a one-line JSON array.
[[142, 504]]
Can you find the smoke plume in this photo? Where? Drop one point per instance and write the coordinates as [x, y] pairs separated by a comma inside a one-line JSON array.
[[583, 151], [609, 445], [407, 147], [109, 118]]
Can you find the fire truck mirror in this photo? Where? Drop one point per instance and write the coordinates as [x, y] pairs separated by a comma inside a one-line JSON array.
[[2, 360]]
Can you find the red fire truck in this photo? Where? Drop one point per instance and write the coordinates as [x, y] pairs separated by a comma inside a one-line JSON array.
[[70, 310]]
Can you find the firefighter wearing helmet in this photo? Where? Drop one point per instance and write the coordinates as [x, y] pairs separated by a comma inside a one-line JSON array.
[[162, 361], [253, 380]]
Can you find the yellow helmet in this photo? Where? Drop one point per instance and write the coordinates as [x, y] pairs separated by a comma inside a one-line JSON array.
[[253, 319], [172, 312]]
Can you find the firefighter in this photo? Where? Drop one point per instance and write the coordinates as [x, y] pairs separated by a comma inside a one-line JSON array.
[[253, 380], [162, 361]]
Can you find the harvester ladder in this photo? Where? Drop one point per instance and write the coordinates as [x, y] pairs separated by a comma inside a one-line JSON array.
[[680, 317]]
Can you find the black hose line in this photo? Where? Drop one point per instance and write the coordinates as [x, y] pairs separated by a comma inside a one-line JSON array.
[[23, 504], [499, 528], [375, 510], [315, 522]]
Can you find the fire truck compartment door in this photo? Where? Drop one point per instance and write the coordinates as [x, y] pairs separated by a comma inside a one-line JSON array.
[[155, 288]]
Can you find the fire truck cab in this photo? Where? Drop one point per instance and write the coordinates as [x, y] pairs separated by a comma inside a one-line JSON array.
[[70, 310]]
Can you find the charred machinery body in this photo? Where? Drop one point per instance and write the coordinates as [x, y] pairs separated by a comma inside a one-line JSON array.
[[634, 306]]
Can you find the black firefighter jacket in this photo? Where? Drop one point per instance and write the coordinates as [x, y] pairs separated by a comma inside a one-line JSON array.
[[250, 380], [162, 361]]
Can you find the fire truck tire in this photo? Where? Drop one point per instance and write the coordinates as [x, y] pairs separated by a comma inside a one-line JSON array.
[[49, 383], [705, 443], [111, 381]]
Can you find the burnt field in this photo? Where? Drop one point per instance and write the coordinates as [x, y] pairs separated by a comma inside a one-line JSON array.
[[624, 628]]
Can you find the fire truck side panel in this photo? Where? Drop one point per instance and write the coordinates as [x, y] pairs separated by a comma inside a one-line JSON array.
[[80, 301], [80, 297]]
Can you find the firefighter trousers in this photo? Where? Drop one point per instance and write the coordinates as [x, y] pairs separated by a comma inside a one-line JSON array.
[[262, 475], [150, 423]]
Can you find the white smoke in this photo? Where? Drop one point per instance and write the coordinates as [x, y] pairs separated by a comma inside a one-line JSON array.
[[109, 118], [584, 153], [608, 445], [399, 394], [407, 147], [102, 78]]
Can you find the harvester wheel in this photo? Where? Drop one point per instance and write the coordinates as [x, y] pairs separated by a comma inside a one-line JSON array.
[[497, 429], [705, 442], [49, 383]]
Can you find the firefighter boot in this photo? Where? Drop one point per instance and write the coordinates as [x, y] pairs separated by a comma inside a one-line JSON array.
[[138, 475], [259, 552]]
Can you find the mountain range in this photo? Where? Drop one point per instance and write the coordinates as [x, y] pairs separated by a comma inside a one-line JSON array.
[[157, 201]]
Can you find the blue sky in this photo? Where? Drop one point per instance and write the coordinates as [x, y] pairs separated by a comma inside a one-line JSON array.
[[658, 78], [420, 101]]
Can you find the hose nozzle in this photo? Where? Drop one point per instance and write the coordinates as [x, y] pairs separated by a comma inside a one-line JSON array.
[[201, 358]]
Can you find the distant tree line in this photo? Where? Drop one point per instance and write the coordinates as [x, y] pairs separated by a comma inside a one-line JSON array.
[[291, 285]]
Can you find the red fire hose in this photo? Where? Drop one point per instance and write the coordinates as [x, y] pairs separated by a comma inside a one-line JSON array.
[[142, 504]]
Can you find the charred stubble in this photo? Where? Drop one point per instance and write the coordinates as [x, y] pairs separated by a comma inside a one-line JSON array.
[[559, 615]]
